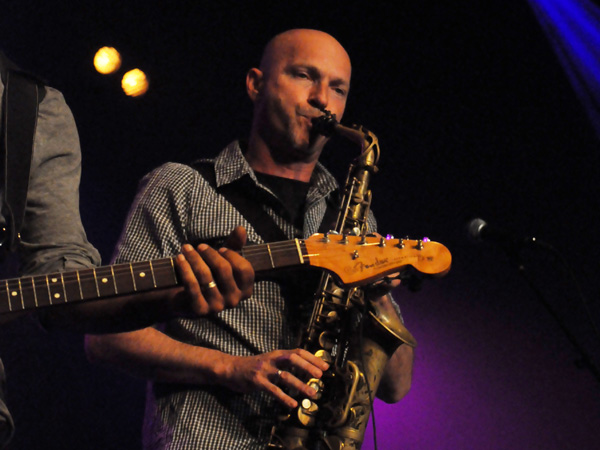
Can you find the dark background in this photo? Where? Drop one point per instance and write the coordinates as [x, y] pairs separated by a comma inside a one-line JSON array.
[[475, 118]]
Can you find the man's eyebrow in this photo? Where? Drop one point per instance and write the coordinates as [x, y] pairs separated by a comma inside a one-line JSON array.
[[339, 82], [315, 71]]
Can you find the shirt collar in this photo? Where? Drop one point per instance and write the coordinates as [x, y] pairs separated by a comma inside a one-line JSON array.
[[231, 165]]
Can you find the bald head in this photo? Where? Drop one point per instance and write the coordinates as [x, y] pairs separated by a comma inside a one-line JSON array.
[[301, 74], [289, 43]]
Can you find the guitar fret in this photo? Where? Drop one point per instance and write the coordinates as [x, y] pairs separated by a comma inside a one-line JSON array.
[[112, 271], [105, 282], [62, 280], [132, 277], [10, 293], [49, 293], [8, 297], [14, 293], [40, 290], [96, 281], [79, 285], [27, 286], [270, 256], [173, 270], [34, 293], [152, 272], [300, 257], [21, 294]]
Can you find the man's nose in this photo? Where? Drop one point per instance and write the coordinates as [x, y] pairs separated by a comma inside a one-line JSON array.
[[319, 96]]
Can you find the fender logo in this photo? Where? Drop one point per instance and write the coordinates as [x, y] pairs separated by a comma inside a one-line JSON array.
[[360, 266]]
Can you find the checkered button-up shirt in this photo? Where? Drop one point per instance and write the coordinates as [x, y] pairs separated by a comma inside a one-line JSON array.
[[176, 205]]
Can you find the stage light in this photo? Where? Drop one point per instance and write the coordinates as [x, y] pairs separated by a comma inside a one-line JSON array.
[[134, 83], [107, 60]]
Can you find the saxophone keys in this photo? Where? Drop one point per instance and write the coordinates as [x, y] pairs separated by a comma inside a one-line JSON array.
[[324, 355], [306, 404], [325, 341], [330, 317], [307, 412], [317, 385]]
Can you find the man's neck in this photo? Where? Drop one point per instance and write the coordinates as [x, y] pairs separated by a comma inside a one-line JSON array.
[[261, 159]]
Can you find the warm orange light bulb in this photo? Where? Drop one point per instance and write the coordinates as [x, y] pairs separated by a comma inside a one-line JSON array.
[[134, 83], [107, 60]]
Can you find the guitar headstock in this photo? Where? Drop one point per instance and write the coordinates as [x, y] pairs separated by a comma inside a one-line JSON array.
[[357, 260]]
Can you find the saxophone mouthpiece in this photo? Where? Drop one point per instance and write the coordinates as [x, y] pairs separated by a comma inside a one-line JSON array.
[[325, 124]]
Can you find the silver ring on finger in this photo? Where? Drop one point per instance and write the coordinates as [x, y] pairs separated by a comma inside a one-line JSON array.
[[210, 285]]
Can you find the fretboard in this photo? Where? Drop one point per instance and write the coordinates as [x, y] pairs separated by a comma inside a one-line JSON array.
[[129, 278]]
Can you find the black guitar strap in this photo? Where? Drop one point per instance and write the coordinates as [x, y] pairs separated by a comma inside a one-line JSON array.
[[22, 95], [243, 198], [238, 195]]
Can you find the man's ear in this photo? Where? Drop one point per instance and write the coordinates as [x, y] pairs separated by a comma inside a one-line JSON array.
[[254, 83]]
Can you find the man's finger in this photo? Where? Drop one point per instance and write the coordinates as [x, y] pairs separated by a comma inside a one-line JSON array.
[[236, 239], [198, 303], [243, 272]]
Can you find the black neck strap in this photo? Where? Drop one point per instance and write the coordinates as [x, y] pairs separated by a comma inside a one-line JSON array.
[[241, 195]]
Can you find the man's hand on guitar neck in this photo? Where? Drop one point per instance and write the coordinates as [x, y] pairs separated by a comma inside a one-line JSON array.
[[213, 280]]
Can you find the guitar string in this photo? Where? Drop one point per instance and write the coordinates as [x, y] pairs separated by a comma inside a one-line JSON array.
[[159, 266], [126, 268]]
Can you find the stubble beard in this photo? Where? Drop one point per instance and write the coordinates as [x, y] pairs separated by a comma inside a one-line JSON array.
[[296, 142]]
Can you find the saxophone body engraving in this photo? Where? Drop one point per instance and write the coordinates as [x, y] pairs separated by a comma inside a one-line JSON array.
[[346, 330]]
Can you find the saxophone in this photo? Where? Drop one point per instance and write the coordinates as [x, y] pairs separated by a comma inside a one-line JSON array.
[[354, 335]]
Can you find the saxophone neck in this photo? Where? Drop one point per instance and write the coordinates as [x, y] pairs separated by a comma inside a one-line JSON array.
[[327, 125]]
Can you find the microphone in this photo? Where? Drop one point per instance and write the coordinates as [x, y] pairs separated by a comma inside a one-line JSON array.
[[480, 231]]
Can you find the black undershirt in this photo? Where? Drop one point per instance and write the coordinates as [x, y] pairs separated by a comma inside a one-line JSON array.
[[291, 193]]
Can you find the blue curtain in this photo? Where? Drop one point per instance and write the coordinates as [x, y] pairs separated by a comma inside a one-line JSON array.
[[573, 28]]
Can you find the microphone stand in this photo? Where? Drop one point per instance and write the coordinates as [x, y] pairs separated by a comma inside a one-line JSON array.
[[515, 257]]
